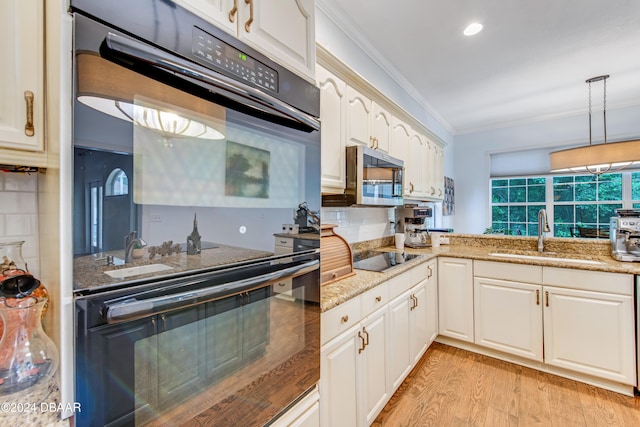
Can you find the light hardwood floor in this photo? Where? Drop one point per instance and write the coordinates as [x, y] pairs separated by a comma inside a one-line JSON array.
[[454, 387]]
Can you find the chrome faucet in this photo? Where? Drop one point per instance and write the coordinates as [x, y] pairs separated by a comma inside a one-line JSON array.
[[130, 242], [543, 227]]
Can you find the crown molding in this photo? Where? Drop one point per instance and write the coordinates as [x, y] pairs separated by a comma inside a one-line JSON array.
[[332, 10]]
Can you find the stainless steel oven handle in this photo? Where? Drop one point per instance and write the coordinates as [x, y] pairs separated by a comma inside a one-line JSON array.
[[162, 59], [132, 309]]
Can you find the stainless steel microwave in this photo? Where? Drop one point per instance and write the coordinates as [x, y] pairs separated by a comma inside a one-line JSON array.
[[373, 178]]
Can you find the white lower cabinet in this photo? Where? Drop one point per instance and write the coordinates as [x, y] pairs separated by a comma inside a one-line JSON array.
[[455, 298], [582, 321], [305, 413], [364, 359]]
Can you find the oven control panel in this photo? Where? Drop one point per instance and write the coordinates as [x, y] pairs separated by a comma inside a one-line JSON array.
[[227, 58]]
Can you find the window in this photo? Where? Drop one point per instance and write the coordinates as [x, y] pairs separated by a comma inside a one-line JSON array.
[[515, 205], [117, 183], [577, 205]]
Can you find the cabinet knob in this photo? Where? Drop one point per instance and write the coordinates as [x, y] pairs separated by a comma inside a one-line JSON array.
[[344, 319], [378, 299]]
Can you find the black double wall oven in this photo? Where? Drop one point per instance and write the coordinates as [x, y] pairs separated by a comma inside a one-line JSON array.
[[191, 150]]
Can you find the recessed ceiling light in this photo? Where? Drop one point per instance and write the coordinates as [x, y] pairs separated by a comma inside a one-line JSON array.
[[473, 29]]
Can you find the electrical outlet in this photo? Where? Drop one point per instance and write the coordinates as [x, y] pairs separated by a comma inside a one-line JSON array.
[[444, 240], [156, 218]]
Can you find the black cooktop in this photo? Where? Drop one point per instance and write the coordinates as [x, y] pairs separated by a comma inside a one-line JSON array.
[[380, 261]]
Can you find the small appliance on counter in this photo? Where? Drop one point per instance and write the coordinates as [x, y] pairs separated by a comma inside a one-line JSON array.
[[414, 223], [625, 235]]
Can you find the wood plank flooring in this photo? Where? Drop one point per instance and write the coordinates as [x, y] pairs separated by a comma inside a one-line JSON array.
[[454, 387]]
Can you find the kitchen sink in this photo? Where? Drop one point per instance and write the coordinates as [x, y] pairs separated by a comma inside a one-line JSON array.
[[547, 257], [136, 271]]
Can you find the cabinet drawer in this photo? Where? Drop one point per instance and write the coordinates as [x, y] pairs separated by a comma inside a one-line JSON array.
[[421, 272], [399, 284], [283, 286], [285, 242], [508, 271], [339, 319], [374, 298], [598, 281]]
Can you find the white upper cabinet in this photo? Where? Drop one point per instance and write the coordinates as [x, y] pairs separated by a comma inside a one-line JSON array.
[[415, 167], [380, 128], [359, 112], [332, 114], [22, 83], [281, 29]]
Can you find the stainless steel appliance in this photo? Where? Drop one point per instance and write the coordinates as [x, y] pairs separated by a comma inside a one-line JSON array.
[[414, 222], [190, 139], [624, 234], [380, 261], [373, 178]]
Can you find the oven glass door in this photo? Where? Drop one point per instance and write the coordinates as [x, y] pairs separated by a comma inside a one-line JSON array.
[[186, 162], [236, 360]]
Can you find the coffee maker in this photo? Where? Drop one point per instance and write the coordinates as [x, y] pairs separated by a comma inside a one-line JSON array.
[[414, 223], [624, 233]]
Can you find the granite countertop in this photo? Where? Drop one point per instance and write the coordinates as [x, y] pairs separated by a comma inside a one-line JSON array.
[[479, 247], [89, 271], [310, 236]]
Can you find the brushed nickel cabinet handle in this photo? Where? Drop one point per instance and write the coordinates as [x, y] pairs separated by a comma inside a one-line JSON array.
[[247, 25], [28, 127], [344, 319], [546, 294], [537, 296], [361, 349], [233, 11]]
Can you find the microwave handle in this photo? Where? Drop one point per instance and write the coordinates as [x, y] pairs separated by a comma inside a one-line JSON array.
[[133, 309], [166, 61]]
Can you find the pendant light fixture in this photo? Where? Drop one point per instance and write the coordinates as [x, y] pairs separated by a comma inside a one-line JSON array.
[[597, 158]]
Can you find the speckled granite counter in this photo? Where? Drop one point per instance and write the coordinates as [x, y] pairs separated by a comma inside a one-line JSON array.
[[479, 247], [37, 406], [89, 271]]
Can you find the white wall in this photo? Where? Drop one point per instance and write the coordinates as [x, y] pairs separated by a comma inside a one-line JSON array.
[[471, 155]]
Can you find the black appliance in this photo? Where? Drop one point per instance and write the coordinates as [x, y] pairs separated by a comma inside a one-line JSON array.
[[380, 261], [184, 134]]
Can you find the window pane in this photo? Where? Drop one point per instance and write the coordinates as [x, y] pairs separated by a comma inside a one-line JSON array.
[[536, 181], [563, 214], [563, 192], [517, 194], [586, 214], [517, 181], [499, 183], [533, 229], [586, 178], [635, 186], [562, 230], [562, 179], [536, 193], [499, 195], [518, 214], [610, 187], [607, 211], [532, 212], [586, 192], [500, 213], [519, 229]]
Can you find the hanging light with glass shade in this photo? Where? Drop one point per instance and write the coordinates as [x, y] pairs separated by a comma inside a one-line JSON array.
[[597, 158]]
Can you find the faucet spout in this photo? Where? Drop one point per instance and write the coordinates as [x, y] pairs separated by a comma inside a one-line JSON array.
[[543, 227], [130, 243]]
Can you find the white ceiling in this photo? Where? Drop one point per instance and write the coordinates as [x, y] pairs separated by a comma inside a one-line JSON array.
[[529, 63]]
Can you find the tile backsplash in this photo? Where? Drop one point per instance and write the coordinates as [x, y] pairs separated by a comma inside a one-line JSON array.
[[19, 214], [360, 224]]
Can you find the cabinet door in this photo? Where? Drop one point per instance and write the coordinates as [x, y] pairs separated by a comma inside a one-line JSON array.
[[283, 30], [332, 135], [414, 166], [255, 324], [508, 317], [21, 78], [399, 147], [431, 288], [399, 338], [438, 180], [181, 369], [373, 390], [455, 298], [381, 128], [418, 322], [430, 175], [218, 12], [358, 116], [590, 332], [223, 337], [338, 364]]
